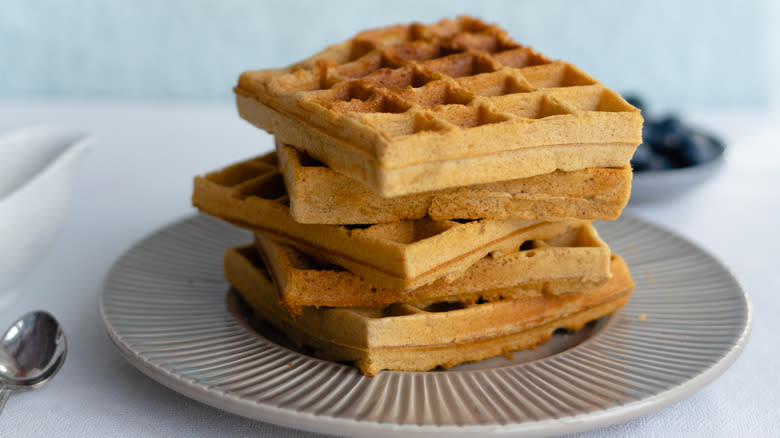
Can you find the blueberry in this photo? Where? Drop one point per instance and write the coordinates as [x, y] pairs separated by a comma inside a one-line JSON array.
[[659, 162], [698, 148], [670, 143], [636, 101], [642, 157], [651, 133], [672, 125], [665, 137]]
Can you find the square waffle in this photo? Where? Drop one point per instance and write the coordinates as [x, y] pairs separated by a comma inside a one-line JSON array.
[[413, 337], [572, 262], [400, 255], [409, 109], [318, 195]]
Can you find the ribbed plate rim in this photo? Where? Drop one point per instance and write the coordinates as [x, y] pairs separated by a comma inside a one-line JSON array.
[[352, 427]]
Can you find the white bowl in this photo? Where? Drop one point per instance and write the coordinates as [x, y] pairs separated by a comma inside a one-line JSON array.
[[37, 168]]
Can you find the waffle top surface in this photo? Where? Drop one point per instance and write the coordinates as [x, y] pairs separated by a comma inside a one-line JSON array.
[[411, 93]]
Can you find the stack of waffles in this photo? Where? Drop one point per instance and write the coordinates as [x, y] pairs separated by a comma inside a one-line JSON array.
[[430, 199]]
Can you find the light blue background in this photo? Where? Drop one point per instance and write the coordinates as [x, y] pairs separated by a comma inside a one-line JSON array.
[[720, 53]]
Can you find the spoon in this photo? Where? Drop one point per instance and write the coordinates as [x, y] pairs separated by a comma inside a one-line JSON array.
[[32, 350]]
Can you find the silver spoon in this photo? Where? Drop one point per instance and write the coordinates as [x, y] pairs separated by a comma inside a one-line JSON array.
[[31, 352]]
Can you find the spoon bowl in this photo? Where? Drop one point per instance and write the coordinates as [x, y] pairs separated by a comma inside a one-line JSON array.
[[32, 350]]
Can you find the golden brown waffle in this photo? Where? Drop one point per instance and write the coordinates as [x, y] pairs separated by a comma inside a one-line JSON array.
[[410, 337], [401, 255], [318, 195], [572, 262], [409, 109]]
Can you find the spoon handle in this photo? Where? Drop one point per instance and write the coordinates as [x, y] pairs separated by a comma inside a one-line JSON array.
[[5, 391]]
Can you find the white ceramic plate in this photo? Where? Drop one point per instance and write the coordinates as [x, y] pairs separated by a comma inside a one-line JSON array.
[[169, 311]]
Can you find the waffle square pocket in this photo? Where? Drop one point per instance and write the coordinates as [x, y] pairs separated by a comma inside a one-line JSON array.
[[414, 108]]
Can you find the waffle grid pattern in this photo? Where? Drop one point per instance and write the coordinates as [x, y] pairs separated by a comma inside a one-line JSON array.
[[401, 255], [572, 262], [450, 76]]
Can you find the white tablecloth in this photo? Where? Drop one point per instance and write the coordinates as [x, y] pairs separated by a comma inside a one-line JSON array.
[[137, 178]]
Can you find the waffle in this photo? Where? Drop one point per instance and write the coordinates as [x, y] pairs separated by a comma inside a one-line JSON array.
[[401, 255], [570, 263], [318, 195], [411, 337], [410, 109]]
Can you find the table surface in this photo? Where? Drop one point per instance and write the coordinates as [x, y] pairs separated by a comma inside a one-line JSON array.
[[137, 178]]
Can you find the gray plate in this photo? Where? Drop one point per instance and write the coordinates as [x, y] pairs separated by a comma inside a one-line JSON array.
[[169, 311]]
